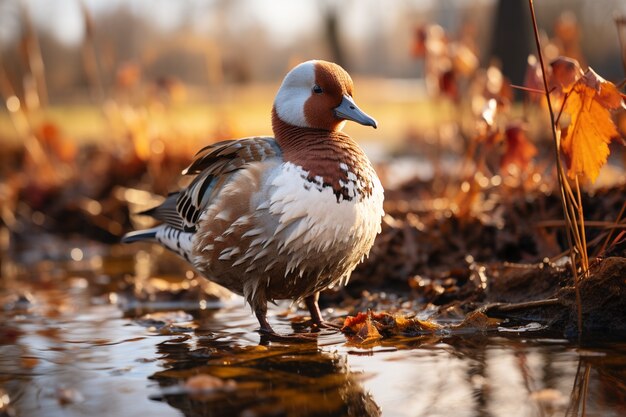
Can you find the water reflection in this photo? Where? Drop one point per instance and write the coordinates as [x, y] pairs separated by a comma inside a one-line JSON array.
[[68, 347], [270, 380]]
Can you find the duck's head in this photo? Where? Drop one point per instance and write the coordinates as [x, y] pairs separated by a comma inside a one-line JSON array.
[[318, 94]]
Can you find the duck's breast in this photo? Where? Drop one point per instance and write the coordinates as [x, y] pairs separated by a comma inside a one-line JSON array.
[[317, 224]]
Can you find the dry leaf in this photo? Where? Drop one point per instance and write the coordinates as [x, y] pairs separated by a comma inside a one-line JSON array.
[[519, 150], [448, 84], [362, 326], [415, 326], [128, 75], [464, 60], [533, 79], [585, 140], [419, 42], [565, 72], [477, 320], [369, 327]]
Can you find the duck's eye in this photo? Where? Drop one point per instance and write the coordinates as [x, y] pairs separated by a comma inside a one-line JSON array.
[[317, 89]]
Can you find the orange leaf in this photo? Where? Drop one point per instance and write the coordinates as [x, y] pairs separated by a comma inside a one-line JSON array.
[[350, 322], [368, 332], [519, 150], [565, 72], [448, 84], [363, 326], [419, 42], [585, 140], [533, 79]]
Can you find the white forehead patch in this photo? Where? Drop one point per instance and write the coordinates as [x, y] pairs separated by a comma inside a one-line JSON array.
[[294, 92]]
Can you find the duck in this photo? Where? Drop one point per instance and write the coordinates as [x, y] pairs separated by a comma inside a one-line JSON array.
[[285, 216]]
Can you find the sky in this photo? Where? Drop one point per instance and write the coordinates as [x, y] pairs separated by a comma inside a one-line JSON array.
[[285, 22], [64, 19], [282, 18]]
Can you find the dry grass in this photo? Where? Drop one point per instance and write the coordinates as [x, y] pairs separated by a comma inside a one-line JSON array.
[[239, 111]]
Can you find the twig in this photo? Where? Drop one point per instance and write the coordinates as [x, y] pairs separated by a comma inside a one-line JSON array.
[[522, 306], [594, 241], [615, 225], [20, 121], [574, 397], [598, 224], [35, 58], [90, 57], [561, 180], [585, 388], [585, 256], [530, 90]]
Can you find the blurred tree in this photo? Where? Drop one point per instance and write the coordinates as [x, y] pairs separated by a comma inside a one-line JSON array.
[[330, 18], [511, 42]]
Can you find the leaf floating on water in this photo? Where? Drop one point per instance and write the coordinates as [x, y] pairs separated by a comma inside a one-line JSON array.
[[351, 322], [477, 320], [368, 327], [362, 326], [368, 332], [585, 140]]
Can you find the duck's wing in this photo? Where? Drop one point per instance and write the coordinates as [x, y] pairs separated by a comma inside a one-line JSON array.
[[212, 165]]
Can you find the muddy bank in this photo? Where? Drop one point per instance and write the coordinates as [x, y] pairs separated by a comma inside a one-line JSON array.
[[509, 261]]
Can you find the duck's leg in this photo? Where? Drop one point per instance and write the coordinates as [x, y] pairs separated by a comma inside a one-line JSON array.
[[268, 333], [316, 315], [261, 315]]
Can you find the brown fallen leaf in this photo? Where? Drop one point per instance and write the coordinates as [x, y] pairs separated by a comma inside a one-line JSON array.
[[415, 326], [519, 150], [368, 327], [565, 72], [363, 327], [585, 140], [533, 80], [477, 320]]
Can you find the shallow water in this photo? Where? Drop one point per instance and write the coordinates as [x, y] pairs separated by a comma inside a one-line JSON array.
[[107, 334]]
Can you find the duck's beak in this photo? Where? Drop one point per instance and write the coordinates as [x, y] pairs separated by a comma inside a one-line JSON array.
[[348, 110]]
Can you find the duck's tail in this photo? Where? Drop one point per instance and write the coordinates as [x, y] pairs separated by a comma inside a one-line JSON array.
[[172, 238], [140, 235]]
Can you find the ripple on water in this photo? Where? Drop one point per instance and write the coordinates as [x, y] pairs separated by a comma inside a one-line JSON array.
[[66, 349]]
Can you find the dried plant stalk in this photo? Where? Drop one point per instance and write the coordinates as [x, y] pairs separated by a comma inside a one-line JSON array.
[[569, 209]]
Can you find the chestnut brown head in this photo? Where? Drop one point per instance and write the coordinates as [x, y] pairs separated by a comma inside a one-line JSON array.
[[318, 94]]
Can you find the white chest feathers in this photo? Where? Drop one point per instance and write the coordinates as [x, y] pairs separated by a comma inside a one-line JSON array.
[[314, 219]]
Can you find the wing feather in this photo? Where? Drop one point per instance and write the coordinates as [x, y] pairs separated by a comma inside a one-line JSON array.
[[211, 165]]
